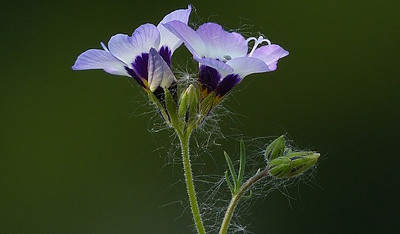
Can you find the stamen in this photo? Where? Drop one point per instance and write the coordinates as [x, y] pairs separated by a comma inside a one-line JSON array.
[[104, 46], [257, 41]]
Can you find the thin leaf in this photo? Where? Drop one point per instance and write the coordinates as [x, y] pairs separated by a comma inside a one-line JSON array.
[[231, 168], [242, 163], [250, 195], [229, 183]]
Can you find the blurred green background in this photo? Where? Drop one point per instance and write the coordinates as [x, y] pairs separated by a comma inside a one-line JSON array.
[[76, 154]]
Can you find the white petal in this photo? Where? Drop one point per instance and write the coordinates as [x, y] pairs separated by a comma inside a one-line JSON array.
[[144, 38], [120, 46], [192, 41], [220, 43], [159, 72], [247, 65], [100, 59], [168, 38]]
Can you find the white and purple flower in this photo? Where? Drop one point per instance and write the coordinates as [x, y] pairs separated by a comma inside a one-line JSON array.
[[223, 56], [144, 56]]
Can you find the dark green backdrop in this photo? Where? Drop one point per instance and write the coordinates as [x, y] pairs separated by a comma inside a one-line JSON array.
[[76, 155]]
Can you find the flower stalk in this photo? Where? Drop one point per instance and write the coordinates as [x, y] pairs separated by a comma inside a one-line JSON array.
[[184, 139]]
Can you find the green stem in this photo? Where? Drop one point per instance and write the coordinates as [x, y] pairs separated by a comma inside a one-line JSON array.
[[236, 198], [184, 139]]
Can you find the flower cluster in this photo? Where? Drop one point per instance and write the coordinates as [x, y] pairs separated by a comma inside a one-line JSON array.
[[224, 59]]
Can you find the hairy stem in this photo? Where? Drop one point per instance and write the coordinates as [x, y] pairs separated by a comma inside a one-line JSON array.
[[236, 198], [184, 139]]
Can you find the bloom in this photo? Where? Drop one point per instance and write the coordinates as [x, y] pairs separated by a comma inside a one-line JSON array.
[[223, 56], [144, 56]]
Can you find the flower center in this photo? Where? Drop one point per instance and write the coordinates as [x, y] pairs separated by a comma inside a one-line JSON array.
[[257, 41]]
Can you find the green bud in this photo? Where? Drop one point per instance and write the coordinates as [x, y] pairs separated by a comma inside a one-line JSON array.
[[292, 164], [189, 102], [279, 167], [275, 149]]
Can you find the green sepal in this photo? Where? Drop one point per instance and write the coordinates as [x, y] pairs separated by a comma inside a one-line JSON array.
[[158, 104], [171, 107], [292, 164], [207, 104], [302, 163], [182, 110], [189, 104], [275, 149], [279, 167]]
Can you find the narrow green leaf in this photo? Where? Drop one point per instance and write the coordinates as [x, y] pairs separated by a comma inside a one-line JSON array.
[[250, 194], [231, 168], [242, 164], [229, 183]]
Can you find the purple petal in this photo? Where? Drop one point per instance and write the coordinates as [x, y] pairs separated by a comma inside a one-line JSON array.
[[227, 84], [144, 38], [160, 75], [209, 78], [192, 41], [221, 67], [270, 54], [247, 65], [100, 59], [167, 38], [120, 46], [220, 43]]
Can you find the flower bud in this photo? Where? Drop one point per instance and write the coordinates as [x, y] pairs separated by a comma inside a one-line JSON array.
[[275, 149], [189, 102], [292, 164]]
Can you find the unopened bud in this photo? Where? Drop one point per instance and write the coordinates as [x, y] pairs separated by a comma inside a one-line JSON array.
[[292, 164], [275, 149], [189, 102]]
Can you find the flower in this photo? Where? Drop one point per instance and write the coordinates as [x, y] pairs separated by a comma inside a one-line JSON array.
[[223, 56], [145, 56]]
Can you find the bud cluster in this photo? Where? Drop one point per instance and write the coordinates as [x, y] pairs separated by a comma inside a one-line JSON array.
[[284, 163], [185, 110]]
